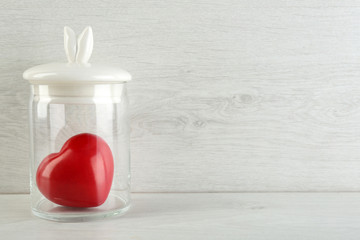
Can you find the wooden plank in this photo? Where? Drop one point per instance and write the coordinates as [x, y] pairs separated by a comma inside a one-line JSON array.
[[227, 96], [249, 216]]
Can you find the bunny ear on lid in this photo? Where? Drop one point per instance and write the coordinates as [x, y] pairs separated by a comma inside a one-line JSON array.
[[70, 44], [85, 45], [77, 70]]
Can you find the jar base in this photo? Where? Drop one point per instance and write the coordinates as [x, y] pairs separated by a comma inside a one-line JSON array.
[[113, 206]]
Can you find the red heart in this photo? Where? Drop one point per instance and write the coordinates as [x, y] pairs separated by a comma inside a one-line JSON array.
[[80, 175]]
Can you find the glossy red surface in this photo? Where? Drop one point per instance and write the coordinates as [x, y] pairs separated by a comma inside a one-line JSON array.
[[80, 175]]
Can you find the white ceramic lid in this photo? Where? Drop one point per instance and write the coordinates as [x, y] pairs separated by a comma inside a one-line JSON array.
[[77, 70]]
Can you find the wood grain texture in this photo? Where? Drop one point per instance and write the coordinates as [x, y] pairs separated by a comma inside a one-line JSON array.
[[227, 95], [248, 216]]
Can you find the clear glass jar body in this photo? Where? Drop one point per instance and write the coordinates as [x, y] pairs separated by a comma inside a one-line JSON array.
[[65, 174]]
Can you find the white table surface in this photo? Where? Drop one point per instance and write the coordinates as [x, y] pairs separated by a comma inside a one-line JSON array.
[[201, 216]]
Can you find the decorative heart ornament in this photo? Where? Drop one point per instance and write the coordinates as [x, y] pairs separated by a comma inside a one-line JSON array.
[[80, 175]]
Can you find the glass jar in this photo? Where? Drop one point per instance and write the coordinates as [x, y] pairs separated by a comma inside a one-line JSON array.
[[79, 133]]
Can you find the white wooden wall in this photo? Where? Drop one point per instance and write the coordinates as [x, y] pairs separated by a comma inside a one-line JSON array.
[[231, 95]]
